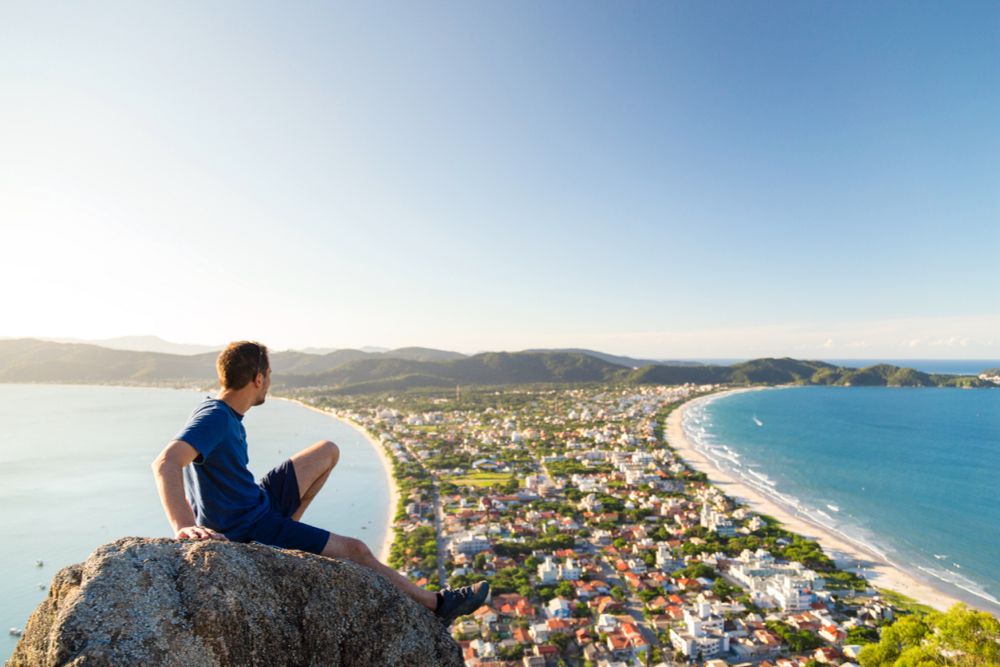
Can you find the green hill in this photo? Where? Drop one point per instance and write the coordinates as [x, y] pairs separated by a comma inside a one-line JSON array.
[[483, 369], [628, 362], [778, 371], [28, 360], [886, 375], [793, 371]]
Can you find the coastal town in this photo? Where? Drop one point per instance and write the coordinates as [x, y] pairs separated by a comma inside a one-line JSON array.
[[602, 546]]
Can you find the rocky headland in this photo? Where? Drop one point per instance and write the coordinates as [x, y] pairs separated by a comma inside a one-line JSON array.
[[143, 601]]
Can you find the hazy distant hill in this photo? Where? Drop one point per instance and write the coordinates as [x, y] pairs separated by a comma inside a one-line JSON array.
[[628, 362], [417, 353], [301, 363], [422, 354], [328, 350], [32, 360], [29, 360], [143, 344]]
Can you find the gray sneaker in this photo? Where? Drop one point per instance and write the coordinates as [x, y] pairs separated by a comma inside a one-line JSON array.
[[455, 602]]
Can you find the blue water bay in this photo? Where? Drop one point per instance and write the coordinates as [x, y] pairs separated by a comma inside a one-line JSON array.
[[74, 474], [912, 473]]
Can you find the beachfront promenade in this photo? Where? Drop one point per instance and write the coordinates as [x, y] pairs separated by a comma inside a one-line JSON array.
[[605, 541]]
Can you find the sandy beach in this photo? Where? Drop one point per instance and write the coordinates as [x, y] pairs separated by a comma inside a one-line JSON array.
[[845, 553], [383, 552]]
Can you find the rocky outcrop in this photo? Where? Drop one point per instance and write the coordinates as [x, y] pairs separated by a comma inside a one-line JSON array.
[[163, 602]]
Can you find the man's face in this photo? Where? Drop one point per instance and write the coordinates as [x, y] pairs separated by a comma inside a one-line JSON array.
[[264, 387]]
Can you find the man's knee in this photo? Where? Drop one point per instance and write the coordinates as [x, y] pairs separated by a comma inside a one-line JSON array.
[[359, 552], [332, 451]]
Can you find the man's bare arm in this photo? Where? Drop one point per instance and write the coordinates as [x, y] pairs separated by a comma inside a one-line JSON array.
[[167, 469]]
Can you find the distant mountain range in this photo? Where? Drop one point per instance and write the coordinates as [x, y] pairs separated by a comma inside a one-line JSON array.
[[628, 362], [142, 344], [356, 371]]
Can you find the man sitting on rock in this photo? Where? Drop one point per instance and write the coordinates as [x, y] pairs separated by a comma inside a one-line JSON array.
[[208, 461]]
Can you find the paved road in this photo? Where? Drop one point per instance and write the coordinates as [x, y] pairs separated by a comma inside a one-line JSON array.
[[633, 605], [438, 523], [438, 518]]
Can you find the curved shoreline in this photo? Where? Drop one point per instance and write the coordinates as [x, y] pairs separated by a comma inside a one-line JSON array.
[[390, 520], [390, 528], [847, 554]]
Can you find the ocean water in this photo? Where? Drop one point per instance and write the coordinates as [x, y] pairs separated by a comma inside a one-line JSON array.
[[912, 473], [74, 474]]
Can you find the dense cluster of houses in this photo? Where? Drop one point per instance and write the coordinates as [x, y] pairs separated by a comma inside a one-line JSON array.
[[571, 503]]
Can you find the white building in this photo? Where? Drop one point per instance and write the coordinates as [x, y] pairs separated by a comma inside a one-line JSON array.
[[664, 559], [790, 585], [703, 633], [470, 544], [559, 607], [548, 572], [570, 571], [717, 521], [590, 503], [606, 623]]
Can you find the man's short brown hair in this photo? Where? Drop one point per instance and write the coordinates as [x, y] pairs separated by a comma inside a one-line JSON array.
[[240, 362]]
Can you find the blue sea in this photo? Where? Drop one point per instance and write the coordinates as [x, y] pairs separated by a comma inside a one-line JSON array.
[[74, 474], [913, 473]]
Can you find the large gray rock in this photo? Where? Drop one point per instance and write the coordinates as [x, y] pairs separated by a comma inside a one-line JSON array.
[[163, 602]]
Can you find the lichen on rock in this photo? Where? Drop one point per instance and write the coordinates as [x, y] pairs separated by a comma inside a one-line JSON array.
[[143, 601]]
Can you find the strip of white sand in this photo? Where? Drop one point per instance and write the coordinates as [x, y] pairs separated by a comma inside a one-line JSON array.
[[390, 529], [848, 555]]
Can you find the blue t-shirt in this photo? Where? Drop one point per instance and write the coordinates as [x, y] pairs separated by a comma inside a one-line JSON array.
[[222, 491]]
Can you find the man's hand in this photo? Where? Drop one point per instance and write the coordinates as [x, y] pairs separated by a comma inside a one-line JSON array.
[[198, 533]]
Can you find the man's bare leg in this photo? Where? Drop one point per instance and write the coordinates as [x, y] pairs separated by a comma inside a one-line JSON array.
[[313, 466], [357, 551]]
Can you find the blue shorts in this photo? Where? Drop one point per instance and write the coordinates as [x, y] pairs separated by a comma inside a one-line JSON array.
[[277, 528]]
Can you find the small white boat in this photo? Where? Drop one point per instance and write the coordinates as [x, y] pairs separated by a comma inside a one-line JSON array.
[[834, 508], [39, 563], [16, 632], [957, 565], [757, 421]]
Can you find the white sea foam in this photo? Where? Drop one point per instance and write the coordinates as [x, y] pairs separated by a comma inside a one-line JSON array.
[[960, 581], [762, 477]]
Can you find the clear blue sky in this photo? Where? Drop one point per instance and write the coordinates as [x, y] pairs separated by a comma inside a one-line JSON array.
[[676, 179]]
